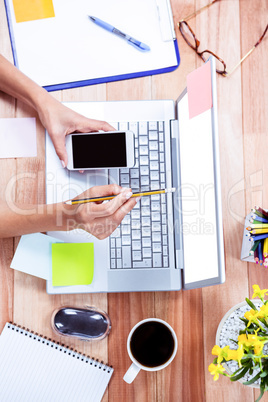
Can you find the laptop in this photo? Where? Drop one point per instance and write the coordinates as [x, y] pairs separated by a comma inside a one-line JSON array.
[[168, 241]]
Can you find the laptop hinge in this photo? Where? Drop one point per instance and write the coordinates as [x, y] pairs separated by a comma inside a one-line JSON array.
[[176, 182]]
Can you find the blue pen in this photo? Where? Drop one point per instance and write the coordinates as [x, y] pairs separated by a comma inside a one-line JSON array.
[[134, 42]]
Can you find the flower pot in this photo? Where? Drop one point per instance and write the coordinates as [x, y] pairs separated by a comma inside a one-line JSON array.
[[229, 328]]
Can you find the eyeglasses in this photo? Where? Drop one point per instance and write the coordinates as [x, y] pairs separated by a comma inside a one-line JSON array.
[[191, 40]]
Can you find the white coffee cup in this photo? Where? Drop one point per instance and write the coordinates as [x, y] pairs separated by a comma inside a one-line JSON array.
[[136, 366]]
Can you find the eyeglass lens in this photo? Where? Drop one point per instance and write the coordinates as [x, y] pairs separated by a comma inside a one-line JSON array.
[[188, 35], [220, 65]]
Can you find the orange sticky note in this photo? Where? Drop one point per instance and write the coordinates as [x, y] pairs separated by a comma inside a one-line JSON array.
[[30, 10], [199, 90]]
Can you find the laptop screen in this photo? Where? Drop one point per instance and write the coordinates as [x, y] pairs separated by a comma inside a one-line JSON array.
[[200, 198]]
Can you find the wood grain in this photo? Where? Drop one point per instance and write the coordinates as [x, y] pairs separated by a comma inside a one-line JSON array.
[[229, 29]]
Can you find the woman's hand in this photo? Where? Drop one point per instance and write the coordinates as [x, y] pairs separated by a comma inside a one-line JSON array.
[[61, 121], [101, 219]]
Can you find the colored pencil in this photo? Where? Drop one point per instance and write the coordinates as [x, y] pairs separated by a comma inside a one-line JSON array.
[[258, 213], [256, 258], [142, 194], [258, 237], [258, 218], [254, 222], [265, 213], [254, 247], [265, 247], [258, 231], [258, 226], [260, 253]]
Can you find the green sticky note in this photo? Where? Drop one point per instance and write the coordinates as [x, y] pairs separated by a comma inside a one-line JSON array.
[[72, 264]]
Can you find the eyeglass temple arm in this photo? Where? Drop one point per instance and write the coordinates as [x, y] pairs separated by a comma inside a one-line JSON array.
[[241, 61], [248, 53], [198, 11]]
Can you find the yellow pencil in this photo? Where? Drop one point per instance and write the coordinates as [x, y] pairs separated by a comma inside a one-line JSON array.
[[259, 231], [110, 197], [265, 247]]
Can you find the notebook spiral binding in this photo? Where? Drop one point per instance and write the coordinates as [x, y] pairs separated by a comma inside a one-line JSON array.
[[60, 346]]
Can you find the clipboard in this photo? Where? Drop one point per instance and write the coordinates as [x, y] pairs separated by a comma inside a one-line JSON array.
[[67, 50]]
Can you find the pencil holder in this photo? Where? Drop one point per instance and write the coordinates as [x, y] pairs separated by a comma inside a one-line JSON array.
[[255, 237]]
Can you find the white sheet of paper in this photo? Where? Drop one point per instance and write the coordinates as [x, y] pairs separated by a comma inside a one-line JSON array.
[[33, 255], [70, 47], [18, 137]]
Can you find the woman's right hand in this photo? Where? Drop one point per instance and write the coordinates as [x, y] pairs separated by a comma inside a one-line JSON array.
[[101, 219]]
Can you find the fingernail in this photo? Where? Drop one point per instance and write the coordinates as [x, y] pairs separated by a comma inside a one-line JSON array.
[[128, 195], [63, 164], [138, 199]]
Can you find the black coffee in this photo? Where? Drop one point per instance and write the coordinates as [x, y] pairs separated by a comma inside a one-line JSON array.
[[152, 344]]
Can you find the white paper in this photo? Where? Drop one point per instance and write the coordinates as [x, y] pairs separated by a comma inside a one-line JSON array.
[[34, 255], [18, 137], [70, 47]]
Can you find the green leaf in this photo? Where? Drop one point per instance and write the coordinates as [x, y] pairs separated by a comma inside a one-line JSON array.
[[245, 321], [261, 394], [240, 375], [262, 320], [257, 376], [252, 305], [234, 341]]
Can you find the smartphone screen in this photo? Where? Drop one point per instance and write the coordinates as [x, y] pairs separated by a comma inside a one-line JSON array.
[[99, 150]]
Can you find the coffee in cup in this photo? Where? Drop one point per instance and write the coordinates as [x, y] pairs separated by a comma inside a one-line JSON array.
[[151, 345]]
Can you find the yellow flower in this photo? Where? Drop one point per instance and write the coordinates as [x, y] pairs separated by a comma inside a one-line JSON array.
[[221, 353], [216, 370], [236, 354], [252, 316], [264, 311], [258, 292], [258, 346], [247, 340], [252, 341]]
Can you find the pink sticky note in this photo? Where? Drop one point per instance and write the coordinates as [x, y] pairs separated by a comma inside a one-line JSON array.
[[199, 90]]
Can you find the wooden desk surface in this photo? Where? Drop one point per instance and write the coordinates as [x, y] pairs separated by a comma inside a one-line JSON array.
[[229, 28]]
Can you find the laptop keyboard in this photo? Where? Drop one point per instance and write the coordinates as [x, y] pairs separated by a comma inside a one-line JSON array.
[[141, 241]]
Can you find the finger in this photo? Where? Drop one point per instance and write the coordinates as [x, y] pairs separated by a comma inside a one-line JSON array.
[[102, 191], [93, 125], [109, 208], [124, 210], [60, 148]]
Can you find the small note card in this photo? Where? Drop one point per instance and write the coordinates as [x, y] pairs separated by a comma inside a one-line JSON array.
[[199, 90], [18, 137], [72, 264], [30, 10], [33, 255]]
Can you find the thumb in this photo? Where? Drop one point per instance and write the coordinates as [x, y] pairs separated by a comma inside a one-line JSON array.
[[60, 148]]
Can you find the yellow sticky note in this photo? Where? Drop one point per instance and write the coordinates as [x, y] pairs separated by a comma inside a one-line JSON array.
[[72, 264], [30, 10]]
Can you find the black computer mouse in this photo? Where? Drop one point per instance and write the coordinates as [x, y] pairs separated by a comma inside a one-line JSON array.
[[86, 323]]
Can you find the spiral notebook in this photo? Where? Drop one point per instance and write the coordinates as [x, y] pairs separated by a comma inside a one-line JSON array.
[[33, 368]]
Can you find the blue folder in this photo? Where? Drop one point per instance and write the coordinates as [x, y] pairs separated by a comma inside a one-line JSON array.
[[75, 84]]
